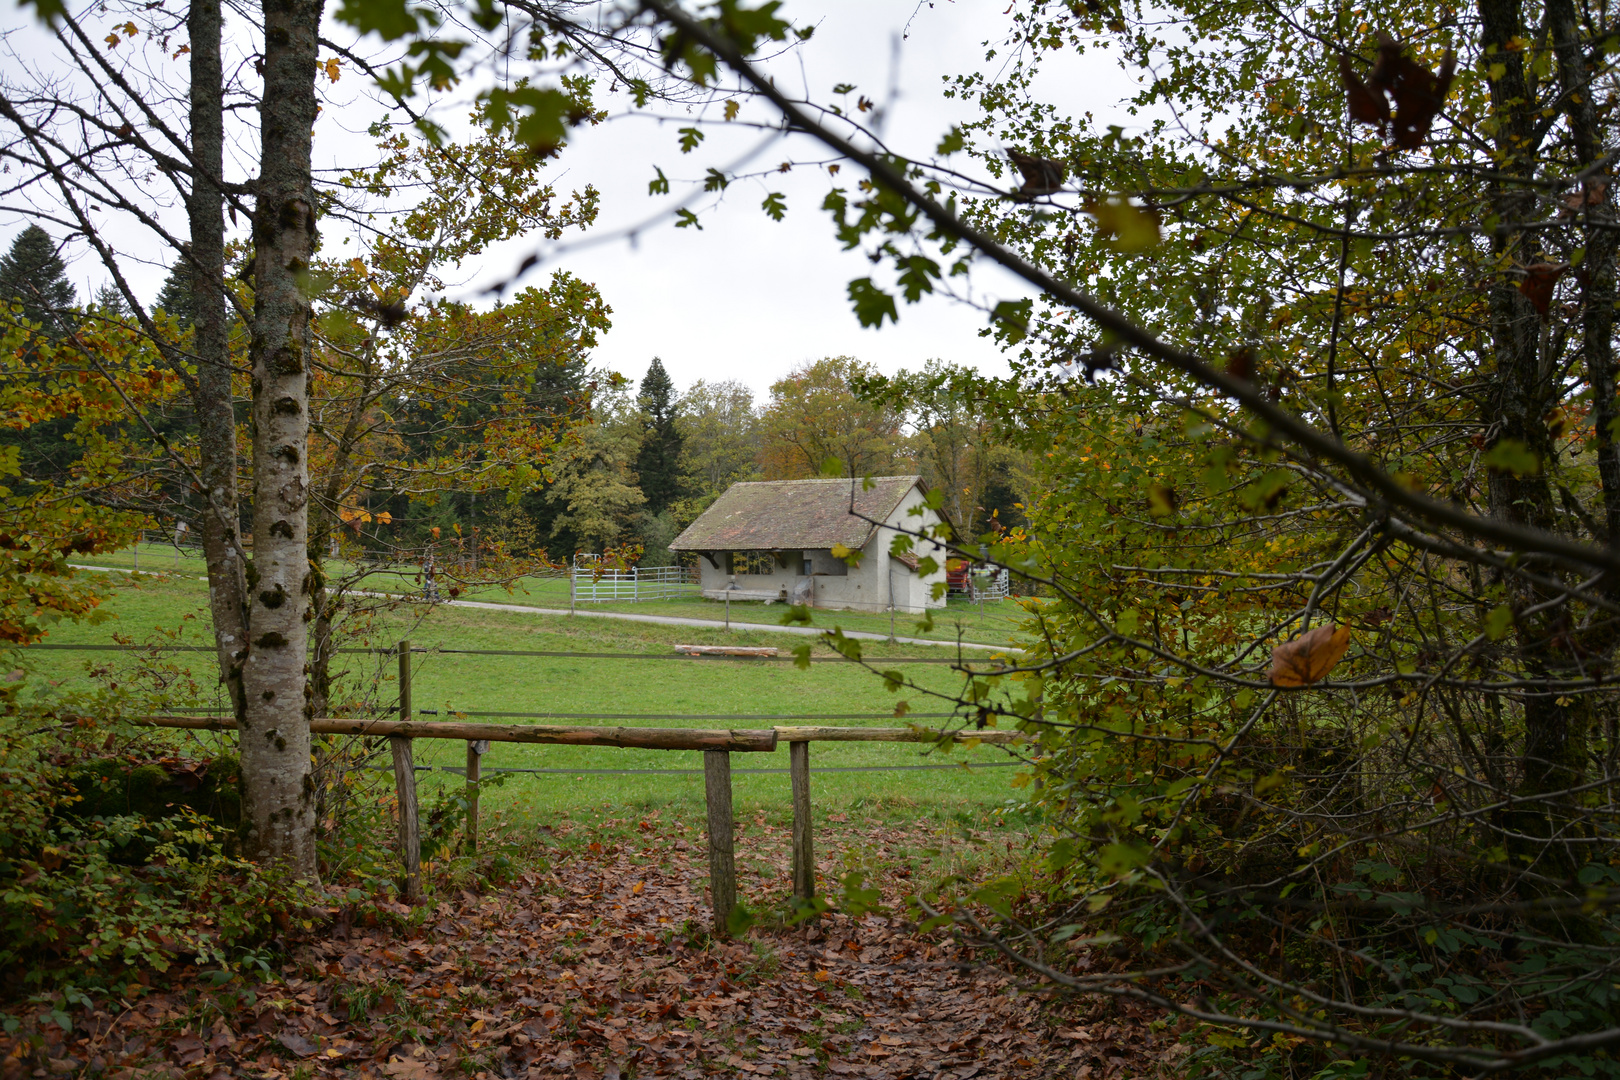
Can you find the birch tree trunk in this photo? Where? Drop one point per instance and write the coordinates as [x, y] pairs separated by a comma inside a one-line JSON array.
[[278, 784], [216, 418]]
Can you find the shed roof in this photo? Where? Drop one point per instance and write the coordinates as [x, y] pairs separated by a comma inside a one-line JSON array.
[[778, 515]]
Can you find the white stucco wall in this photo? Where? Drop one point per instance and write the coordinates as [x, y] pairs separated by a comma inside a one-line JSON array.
[[872, 586]]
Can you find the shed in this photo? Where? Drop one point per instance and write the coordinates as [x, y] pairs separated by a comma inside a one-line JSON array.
[[773, 540]]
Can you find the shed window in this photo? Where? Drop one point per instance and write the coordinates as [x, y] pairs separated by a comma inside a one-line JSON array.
[[761, 563], [823, 562]]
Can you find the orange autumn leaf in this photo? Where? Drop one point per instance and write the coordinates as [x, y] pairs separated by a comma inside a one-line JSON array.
[[1309, 657]]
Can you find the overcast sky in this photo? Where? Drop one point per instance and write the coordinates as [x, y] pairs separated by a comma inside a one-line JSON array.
[[747, 298]]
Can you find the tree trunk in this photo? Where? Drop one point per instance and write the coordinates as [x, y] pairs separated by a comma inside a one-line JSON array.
[[278, 784], [216, 419], [1522, 386]]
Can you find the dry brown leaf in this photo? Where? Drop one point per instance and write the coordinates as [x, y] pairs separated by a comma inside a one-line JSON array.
[[1042, 176], [1538, 283], [1309, 657]]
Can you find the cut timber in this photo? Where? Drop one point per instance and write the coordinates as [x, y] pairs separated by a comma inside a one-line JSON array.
[[475, 755], [726, 650], [871, 734], [722, 866], [804, 859], [410, 835], [762, 740]]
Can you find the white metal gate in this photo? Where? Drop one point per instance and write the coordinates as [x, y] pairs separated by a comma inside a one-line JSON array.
[[593, 585]]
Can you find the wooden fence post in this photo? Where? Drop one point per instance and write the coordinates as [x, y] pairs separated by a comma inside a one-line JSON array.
[[722, 869], [410, 838], [804, 858], [476, 749]]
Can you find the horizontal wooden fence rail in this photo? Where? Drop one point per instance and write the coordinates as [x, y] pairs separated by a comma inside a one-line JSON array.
[[756, 740], [717, 746], [990, 666]]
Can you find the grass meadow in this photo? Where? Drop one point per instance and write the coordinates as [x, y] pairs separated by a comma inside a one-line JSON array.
[[993, 623], [169, 607]]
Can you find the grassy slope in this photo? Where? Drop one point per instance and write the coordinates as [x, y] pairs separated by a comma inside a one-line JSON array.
[[142, 608]]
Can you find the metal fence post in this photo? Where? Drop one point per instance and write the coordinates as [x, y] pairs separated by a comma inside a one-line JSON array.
[[410, 837], [722, 867]]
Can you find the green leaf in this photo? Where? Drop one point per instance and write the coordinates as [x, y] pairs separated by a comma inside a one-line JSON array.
[[1511, 455], [857, 901], [739, 920], [690, 137], [951, 143], [916, 274], [1127, 227], [844, 88], [774, 207], [1498, 621], [1011, 320], [658, 185], [1121, 859], [871, 303], [685, 218], [388, 19], [715, 180], [47, 12]]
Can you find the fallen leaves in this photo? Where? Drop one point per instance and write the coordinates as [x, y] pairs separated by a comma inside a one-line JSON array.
[[593, 968], [1309, 657]]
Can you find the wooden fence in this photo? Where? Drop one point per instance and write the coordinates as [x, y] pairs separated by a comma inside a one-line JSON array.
[[717, 746]]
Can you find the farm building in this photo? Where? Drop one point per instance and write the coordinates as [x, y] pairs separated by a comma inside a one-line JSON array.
[[773, 540]]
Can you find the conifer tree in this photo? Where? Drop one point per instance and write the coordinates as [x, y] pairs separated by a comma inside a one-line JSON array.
[[659, 462], [33, 274], [175, 295]]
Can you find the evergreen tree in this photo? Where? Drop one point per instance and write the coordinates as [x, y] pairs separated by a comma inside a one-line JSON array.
[[175, 295], [33, 274], [110, 302], [658, 465]]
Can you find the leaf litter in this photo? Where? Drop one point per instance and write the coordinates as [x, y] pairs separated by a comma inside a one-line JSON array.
[[596, 965]]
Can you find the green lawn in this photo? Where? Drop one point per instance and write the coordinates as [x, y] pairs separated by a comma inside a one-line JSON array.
[[991, 623], [168, 607]]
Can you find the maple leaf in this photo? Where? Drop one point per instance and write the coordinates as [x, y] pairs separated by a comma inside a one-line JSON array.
[[1309, 657]]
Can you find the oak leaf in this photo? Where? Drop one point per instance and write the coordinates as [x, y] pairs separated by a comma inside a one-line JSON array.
[[1309, 657]]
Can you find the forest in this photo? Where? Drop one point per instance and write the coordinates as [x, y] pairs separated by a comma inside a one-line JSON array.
[[1304, 460]]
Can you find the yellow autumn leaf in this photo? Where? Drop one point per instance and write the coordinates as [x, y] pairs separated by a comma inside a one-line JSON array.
[[333, 68], [1127, 226], [358, 265]]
